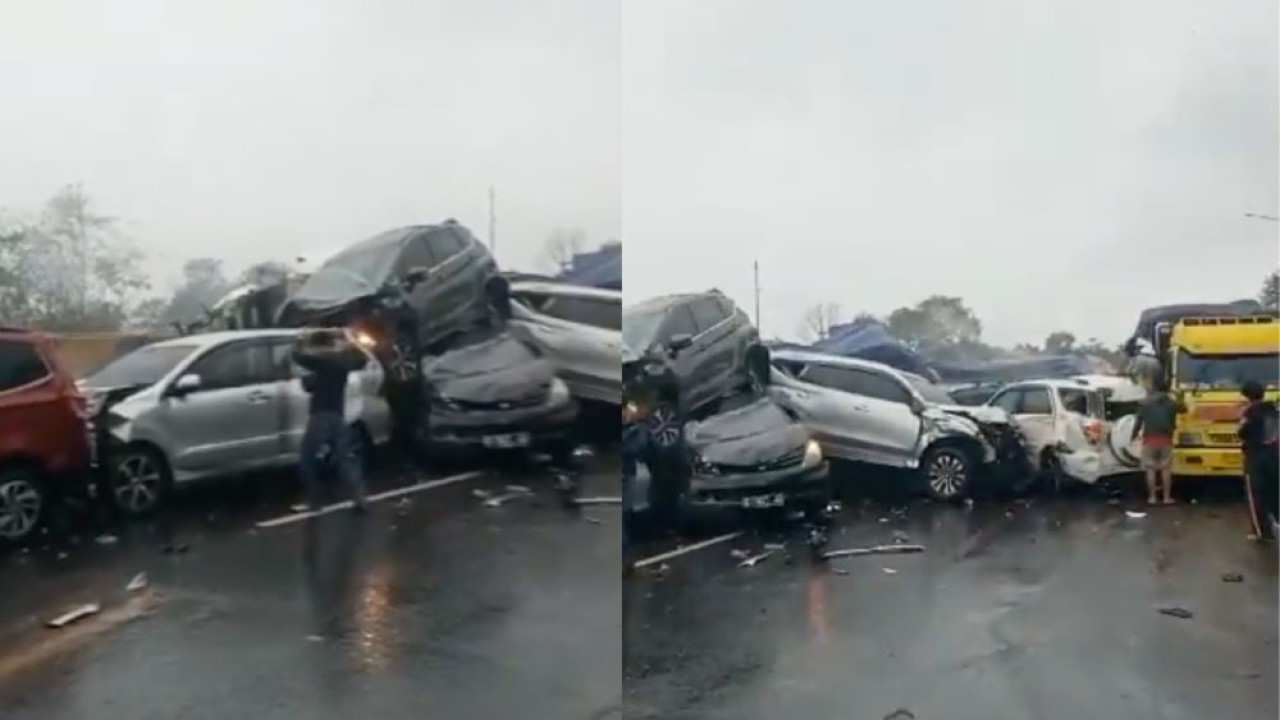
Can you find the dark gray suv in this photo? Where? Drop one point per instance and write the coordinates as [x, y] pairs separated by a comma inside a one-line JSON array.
[[681, 355]]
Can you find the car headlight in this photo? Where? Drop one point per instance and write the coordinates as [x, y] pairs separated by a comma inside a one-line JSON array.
[[1190, 438], [630, 412], [365, 340], [702, 467], [559, 393], [812, 454]]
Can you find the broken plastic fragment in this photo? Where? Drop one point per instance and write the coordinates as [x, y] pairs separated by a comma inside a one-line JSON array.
[[1232, 577], [583, 453], [519, 489], [106, 539], [1178, 612], [756, 559], [739, 554], [298, 507], [598, 501], [593, 520], [877, 550], [775, 546], [138, 582], [71, 616], [889, 571], [1135, 514], [481, 493]]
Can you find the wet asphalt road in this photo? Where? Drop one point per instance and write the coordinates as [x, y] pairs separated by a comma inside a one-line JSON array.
[[1044, 610], [428, 605]]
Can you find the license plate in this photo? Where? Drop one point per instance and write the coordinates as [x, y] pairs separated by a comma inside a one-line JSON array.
[[506, 442], [764, 501]]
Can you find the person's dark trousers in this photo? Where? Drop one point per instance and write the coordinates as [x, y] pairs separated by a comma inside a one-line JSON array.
[[329, 429], [634, 442], [1262, 483]]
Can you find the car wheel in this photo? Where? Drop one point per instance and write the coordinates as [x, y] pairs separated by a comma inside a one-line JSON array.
[[22, 503], [139, 480], [664, 425], [948, 472]]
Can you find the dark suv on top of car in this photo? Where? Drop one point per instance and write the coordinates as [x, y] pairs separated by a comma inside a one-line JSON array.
[[44, 434], [681, 355]]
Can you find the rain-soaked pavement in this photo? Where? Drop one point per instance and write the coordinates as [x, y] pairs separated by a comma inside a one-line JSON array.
[[429, 605], [1042, 609]]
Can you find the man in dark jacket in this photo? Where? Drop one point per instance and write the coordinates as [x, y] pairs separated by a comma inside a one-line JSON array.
[[329, 359], [1157, 420], [1259, 427]]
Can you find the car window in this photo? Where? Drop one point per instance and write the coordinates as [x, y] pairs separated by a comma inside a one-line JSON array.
[[444, 244], [679, 322], [143, 367], [20, 364], [415, 253], [1009, 400], [707, 313], [640, 328], [829, 377], [1036, 401], [596, 312], [930, 392], [881, 387], [235, 365], [1074, 399]]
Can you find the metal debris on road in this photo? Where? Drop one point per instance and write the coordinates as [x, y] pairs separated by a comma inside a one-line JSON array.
[[877, 550], [500, 500], [757, 559], [298, 507], [840, 571], [71, 616], [884, 519], [889, 571], [1135, 514], [1232, 577], [583, 452], [481, 493], [1178, 612], [900, 537], [900, 714], [593, 520], [775, 546], [519, 489], [739, 554], [598, 501], [315, 638], [106, 539], [138, 582]]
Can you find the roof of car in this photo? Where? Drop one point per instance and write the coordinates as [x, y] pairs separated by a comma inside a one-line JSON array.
[[665, 302], [1057, 383], [818, 358], [217, 338], [558, 288]]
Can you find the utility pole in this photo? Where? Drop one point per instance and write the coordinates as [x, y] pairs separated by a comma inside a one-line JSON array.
[[755, 266], [493, 222]]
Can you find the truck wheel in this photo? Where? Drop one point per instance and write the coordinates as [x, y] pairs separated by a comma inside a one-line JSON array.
[[22, 503], [139, 481], [948, 472]]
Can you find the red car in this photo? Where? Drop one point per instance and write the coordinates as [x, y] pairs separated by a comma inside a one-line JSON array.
[[44, 432]]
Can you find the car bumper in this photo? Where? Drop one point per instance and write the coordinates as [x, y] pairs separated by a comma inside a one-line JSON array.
[[762, 490], [502, 429], [1217, 462]]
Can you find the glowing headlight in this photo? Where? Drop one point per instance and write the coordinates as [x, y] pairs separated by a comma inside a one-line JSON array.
[[812, 454], [559, 393], [364, 339], [630, 412]]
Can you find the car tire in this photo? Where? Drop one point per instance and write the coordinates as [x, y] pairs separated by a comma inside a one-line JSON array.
[[23, 503], [139, 481], [948, 472]]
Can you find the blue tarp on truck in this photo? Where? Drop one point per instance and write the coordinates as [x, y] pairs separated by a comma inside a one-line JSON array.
[[601, 268], [872, 341]]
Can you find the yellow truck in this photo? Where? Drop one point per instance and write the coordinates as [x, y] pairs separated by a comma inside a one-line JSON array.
[[1207, 360]]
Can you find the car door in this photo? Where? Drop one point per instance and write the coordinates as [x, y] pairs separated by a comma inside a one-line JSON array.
[[824, 404], [232, 421], [679, 321], [717, 351], [581, 336], [892, 428], [1032, 408], [451, 287]]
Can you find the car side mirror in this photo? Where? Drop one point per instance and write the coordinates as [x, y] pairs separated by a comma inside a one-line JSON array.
[[679, 342], [185, 385], [917, 405], [416, 276]]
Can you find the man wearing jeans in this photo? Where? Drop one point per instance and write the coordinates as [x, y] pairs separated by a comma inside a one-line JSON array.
[[1157, 419], [329, 359], [1260, 443]]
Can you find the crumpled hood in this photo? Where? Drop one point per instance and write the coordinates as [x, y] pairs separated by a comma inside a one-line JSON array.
[[493, 370], [984, 414], [752, 434], [629, 354]]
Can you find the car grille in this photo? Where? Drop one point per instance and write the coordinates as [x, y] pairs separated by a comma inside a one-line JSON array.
[[1224, 439], [527, 401], [795, 457]]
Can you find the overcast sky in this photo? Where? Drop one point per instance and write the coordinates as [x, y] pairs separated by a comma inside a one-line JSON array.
[[252, 130], [1059, 165]]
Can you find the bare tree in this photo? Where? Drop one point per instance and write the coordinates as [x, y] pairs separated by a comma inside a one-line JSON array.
[[561, 246], [819, 319]]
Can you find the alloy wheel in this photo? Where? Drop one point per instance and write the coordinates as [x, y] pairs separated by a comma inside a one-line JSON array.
[[947, 474], [663, 426], [20, 505], [138, 483]]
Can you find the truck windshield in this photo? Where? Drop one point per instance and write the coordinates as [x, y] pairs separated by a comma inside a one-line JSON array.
[[1227, 372]]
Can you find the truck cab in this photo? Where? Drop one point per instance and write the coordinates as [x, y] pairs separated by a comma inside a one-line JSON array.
[[1208, 360]]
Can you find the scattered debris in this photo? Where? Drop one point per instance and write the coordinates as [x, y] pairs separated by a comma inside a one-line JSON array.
[[404, 502], [315, 638], [582, 452], [500, 500], [106, 539], [298, 507], [593, 520], [62, 556], [884, 519], [739, 554], [775, 546], [481, 493], [598, 501], [1114, 501], [756, 559], [1178, 612], [1135, 514], [889, 571], [877, 550], [900, 537], [840, 571], [71, 616], [834, 507], [900, 714], [968, 503], [1232, 577], [138, 582], [519, 489], [660, 571]]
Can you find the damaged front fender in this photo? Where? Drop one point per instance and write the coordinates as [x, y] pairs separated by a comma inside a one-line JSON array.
[[939, 425]]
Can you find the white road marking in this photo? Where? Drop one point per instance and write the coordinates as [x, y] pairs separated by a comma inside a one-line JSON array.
[[684, 549], [376, 497]]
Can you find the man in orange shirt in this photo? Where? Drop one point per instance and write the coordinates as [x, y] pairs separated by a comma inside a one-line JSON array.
[[1156, 420]]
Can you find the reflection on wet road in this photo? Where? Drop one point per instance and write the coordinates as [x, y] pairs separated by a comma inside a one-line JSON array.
[[429, 605], [1028, 609]]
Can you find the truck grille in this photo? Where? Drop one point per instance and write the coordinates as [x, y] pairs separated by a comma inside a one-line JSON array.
[[1219, 438]]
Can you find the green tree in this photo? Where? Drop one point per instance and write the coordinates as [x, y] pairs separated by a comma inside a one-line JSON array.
[[1269, 296], [937, 321], [203, 284], [1059, 343]]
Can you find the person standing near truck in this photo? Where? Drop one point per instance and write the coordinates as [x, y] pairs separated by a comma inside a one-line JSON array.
[[1260, 441], [1156, 420], [329, 359]]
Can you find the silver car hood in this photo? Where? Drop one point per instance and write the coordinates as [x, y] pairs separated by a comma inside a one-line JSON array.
[[500, 368], [755, 433], [984, 414]]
